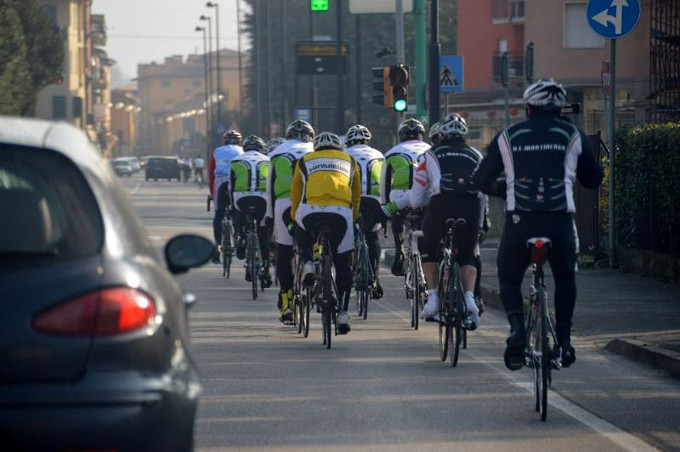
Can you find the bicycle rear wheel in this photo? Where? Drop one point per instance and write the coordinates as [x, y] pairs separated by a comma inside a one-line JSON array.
[[368, 283], [327, 306], [457, 306], [252, 264], [225, 247], [417, 293], [306, 298], [544, 367]]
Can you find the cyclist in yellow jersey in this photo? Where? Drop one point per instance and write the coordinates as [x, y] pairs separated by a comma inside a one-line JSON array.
[[327, 190]]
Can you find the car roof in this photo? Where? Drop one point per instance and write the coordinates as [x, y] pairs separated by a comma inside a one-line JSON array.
[[58, 136]]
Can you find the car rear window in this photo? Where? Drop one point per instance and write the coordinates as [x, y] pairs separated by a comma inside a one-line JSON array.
[[49, 210]]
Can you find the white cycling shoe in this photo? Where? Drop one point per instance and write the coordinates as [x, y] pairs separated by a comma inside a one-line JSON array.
[[431, 308]]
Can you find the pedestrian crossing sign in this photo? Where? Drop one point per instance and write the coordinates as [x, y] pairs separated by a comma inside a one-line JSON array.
[[451, 73]]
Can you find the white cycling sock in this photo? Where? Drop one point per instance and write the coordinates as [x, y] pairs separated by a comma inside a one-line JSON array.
[[470, 302]]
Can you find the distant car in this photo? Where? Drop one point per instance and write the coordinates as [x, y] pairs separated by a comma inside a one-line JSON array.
[[162, 168], [134, 163], [94, 336], [122, 167]]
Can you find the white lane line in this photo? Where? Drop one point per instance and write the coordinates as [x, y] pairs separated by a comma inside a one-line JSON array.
[[613, 433], [134, 190]]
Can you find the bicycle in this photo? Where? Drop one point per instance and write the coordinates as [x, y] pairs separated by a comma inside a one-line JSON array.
[[540, 331], [414, 278], [324, 293], [226, 247], [302, 296], [452, 332], [364, 278], [253, 253]]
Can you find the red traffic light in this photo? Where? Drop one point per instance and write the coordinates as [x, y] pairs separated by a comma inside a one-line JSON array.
[[399, 75]]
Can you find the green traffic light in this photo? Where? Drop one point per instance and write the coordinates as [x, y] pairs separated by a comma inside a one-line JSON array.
[[319, 5], [400, 105]]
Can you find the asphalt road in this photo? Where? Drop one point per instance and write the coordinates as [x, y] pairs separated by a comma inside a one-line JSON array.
[[383, 387]]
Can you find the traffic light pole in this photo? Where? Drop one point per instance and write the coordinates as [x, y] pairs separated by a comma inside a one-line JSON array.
[[434, 110], [399, 26], [340, 115]]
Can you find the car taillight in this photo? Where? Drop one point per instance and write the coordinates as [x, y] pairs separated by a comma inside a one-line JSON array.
[[102, 313]]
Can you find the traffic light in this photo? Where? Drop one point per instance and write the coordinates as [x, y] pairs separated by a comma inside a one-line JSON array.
[[382, 86], [398, 81]]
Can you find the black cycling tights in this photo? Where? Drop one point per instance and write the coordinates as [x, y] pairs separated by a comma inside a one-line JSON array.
[[514, 259], [284, 269]]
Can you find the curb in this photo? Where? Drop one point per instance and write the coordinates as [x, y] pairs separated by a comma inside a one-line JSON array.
[[646, 353]]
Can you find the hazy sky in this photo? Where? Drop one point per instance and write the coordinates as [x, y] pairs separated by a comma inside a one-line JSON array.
[[142, 31]]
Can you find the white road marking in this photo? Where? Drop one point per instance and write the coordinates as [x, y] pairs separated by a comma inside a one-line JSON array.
[[135, 189]]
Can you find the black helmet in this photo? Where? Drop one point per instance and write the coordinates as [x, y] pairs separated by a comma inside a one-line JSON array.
[[411, 129], [547, 94], [327, 140], [232, 137], [253, 143], [300, 129], [273, 144], [357, 134]]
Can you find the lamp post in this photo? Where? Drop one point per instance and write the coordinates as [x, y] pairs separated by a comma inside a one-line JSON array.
[[207, 110], [217, 49], [210, 71]]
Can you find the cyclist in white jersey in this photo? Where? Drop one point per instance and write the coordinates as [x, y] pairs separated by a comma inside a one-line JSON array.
[[218, 175], [397, 178], [370, 162]]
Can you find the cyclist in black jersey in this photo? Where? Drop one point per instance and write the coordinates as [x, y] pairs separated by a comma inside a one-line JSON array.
[[541, 157]]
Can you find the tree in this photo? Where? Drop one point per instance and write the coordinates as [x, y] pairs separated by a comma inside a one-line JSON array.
[[31, 55]]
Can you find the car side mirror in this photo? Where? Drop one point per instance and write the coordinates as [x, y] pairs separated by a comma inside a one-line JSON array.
[[187, 251]]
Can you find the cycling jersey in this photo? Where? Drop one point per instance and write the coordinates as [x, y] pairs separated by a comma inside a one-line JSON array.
[[444, 169], [370, 162], [397, 173], [326, 178], [219, 164], [283, 160], [249, 173], [541, 158]]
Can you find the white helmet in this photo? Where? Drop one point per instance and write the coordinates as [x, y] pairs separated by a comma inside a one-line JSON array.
[[357, 134], [546, 93], [327, 140], [452, 125]]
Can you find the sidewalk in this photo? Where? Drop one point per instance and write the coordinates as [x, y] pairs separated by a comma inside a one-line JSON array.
[[624, 313]]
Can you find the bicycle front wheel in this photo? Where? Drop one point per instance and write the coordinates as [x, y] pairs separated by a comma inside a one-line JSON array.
[[444, 335]]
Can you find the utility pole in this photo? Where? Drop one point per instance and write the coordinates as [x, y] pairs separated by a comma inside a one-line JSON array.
[[217, 48], [207, 111], [421, 58], [340, 117], [210, 80], [240, 60], [434, 111]]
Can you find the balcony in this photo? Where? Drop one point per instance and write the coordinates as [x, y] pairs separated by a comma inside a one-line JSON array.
[[507, 11]]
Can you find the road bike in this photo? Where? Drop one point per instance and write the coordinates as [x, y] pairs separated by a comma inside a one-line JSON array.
[[414, 278], [226, 247], [324, 293], [364, 278], [540, 352], [302, 295], [452, 311], [255, 264]]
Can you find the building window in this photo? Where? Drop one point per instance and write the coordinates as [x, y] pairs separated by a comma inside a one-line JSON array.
[[504, 11], [577, 31], [165, 83]]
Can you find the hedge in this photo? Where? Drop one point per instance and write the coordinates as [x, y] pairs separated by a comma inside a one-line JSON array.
[[647, 187]]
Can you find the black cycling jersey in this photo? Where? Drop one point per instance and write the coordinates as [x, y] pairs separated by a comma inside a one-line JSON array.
[[457, 162], [541, 157]]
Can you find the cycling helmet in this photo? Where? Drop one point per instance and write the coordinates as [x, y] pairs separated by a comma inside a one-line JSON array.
[[435, 134], [300, 129], [327, 140], [253, 143], [546, 93], [411, 129], [273, 144], [232, 137], [453, 125], [357, 134]]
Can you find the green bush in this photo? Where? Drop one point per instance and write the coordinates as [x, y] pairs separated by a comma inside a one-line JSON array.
[[647, 187]]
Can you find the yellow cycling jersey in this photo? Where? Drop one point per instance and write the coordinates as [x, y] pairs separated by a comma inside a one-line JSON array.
[[326, 178]]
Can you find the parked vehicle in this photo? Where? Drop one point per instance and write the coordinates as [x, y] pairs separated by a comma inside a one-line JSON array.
[[94, 337], [122, 167], [163, 168], [134, 163]]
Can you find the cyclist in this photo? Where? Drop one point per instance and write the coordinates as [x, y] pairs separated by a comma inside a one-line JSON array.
[[370, 161], [199, 163], [541, 156], [273, 144], [443, 183], [218, 178], [434, 134], [298, 143], [247, 185], [397, 178], [327, 189]]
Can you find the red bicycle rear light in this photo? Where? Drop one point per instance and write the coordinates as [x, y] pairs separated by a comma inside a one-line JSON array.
[[102, 313], [539, 243]]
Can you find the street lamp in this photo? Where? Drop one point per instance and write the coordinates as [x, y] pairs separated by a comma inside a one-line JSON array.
[[207, 105], [210, 66], [217, 49]]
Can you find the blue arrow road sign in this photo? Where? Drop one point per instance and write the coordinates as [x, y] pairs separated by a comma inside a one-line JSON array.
[[613, 18], [450, 74]]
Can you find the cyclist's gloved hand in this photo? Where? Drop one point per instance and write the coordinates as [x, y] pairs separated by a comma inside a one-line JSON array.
[[487, 223], [389, 209], [291, 227]]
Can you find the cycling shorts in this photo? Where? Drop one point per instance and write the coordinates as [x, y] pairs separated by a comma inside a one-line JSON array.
[[306, 217], [281, 221]]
